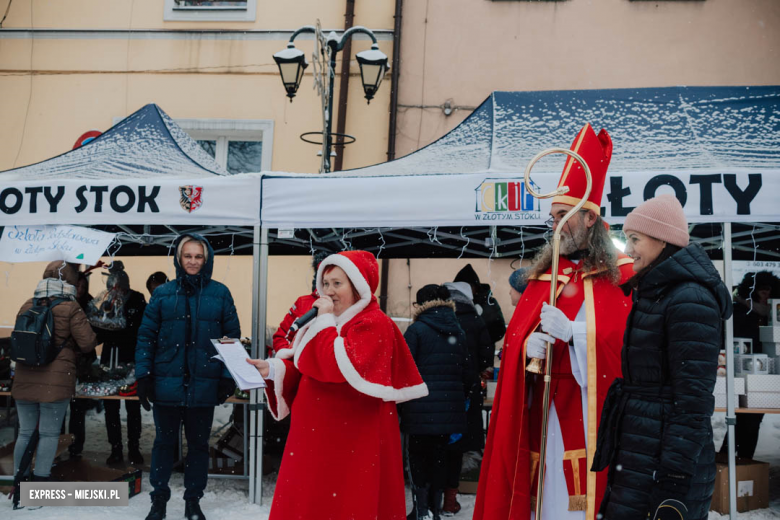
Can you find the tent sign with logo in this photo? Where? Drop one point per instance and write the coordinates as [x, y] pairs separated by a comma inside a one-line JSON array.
[[501, 199], [209, 201]]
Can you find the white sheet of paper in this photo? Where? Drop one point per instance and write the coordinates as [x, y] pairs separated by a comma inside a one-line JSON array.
[[233, 355]]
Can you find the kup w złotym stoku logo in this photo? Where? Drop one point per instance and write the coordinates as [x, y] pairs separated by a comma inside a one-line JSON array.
[[506, 199]]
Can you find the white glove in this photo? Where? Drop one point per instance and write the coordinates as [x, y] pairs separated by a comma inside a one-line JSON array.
[[537, 345], [555, 323]]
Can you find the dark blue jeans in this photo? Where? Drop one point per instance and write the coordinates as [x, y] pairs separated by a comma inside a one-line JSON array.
[[197, 429]]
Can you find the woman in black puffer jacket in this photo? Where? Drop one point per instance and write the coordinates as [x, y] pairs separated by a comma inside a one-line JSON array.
[[655, 433], [438, 346]]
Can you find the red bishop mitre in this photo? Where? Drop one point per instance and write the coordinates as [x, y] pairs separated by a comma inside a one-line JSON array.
[[596, 150]]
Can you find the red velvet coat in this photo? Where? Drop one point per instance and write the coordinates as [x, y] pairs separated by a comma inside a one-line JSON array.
[[301, 306], [340, 382]]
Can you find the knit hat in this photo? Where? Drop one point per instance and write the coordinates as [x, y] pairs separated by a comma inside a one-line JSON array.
[[432, 292], [518, 281], [468, 275], [662, 218]]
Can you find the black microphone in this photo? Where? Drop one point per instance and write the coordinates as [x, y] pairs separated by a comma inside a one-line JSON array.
[[303, 320]]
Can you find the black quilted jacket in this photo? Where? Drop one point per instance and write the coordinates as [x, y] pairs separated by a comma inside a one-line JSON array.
[[656, 432], [438, 346]]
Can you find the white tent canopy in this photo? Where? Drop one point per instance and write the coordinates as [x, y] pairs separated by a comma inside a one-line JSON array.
[[143, 170], [717, 149]]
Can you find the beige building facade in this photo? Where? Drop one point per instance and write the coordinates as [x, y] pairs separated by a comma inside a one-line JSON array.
[[67, 67], [457, 52], [70, 66]]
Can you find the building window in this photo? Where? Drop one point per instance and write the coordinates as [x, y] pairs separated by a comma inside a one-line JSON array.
[[239, 145], [210, 11]]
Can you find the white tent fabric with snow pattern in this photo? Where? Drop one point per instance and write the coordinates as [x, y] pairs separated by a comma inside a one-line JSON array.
[[143, 170], [716, 148]]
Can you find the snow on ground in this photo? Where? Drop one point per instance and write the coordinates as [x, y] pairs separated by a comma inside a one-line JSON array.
[[227, 499]]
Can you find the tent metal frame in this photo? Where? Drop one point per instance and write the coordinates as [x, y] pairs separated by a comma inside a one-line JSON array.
[[485, 237]]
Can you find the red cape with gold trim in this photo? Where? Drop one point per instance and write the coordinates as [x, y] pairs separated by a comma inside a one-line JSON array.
[[504, 490]]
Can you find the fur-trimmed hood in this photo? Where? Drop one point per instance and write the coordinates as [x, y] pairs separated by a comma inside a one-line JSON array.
[[440, 316], [430, 305]]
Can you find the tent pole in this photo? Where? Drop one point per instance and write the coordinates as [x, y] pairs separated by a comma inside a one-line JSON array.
[[731, 418], [257, 398]]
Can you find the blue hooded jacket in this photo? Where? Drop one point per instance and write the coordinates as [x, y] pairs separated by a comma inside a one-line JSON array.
[[174, 341]]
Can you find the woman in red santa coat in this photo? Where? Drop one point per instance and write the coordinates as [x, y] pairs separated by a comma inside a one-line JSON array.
[[340, 382]]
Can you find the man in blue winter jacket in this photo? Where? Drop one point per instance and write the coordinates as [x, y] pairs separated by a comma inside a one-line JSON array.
[[176, 372]]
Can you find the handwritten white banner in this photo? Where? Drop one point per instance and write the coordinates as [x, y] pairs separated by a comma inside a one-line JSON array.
[[46, 243]]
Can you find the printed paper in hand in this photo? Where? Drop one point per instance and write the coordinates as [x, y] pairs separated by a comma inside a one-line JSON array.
[[234, 356]]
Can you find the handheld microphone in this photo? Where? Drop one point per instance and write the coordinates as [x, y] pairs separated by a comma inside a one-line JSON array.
[[303, 320]]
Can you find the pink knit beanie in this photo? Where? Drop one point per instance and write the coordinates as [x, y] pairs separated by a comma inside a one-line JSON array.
[[662, 218]]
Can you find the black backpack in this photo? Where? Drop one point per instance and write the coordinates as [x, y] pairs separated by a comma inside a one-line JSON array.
[[32, 341]]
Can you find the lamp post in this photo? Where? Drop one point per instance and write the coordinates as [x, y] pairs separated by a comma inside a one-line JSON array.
[[292, 63]]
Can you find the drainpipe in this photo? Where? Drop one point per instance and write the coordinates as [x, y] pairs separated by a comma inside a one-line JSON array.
[[346, 57], [395, 71]]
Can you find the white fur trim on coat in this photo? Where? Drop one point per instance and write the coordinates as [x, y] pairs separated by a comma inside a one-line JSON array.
[[306, 334], [282, 408], [386, 393]]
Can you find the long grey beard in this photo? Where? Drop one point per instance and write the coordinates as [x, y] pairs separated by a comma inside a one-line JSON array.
[[575, 241]]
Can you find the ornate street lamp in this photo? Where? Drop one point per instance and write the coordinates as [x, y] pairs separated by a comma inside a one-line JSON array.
[[373, 65], [292, 62]]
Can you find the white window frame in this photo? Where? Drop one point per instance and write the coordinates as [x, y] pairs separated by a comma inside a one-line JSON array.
[[224, 130], [176, 13]]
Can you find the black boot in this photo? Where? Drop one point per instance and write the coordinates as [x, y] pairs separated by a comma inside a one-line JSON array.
[[134, 456], [158, 509], [420, 509], [437, 497], [116, 456], [37, 478], [17, 492], [192, 510]]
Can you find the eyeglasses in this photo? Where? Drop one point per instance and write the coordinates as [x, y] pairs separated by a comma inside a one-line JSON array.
[[550, 222]]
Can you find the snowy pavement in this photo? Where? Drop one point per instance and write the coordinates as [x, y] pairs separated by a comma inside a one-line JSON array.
[[227, 499]]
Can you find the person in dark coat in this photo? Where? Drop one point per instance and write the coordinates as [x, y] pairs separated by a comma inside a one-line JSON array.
[[438, 346], [155, 280], [176, 372], [486, 304], [751, 311], [79, 407], [655, 433], [481, 351], [42, 393], [119, 348]]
